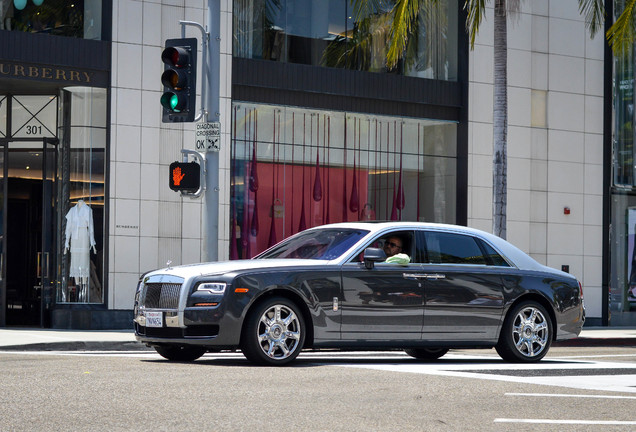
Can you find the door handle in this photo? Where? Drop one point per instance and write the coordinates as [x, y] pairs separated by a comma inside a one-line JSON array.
[[43, 265], [46, 265], [430, 276]]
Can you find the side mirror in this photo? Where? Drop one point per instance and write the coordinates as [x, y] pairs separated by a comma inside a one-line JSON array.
[[373, 255]]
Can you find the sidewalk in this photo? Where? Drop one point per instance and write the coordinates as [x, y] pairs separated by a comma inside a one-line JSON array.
[[36, 339], [32, 339]]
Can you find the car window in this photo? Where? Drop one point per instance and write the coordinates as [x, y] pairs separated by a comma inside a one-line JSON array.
[[449, 248], [406, 238], [322, 244], [493, 256]]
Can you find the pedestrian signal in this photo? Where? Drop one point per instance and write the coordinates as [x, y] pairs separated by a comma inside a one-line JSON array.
[[185, 176]]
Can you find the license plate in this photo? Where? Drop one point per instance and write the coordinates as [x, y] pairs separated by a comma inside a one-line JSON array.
[[154, 319]]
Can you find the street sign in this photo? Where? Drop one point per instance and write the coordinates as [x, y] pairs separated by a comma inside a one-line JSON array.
[[208, 137]]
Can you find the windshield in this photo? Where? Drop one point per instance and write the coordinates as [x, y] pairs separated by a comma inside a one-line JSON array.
[[322, 244]]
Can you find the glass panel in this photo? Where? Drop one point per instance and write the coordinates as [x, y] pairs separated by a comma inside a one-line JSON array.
[[294, 169], [493, 256], [623, 261], [78, 18], [3, 116], [33, 116], [3, 284], [445, 248], [82, 168], [325, 33]]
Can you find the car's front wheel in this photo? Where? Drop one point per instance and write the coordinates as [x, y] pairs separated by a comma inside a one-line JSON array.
[[274, 332], [526, 334], [180, 353], [426, 353]]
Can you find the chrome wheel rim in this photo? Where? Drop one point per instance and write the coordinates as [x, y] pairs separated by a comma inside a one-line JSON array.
[[279, 332], [530, 332]]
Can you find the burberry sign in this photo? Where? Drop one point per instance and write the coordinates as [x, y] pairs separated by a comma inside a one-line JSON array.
[[68, 76]]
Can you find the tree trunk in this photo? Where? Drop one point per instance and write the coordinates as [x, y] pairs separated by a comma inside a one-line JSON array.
[[500, 121]]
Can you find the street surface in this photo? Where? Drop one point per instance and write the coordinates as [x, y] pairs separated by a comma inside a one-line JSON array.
[[573, 389]]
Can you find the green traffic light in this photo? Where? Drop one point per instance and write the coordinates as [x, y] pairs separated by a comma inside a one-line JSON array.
[[171, 102], [174, 101]]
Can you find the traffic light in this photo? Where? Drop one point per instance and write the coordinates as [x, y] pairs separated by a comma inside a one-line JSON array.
[[185, 176], [179, 80]]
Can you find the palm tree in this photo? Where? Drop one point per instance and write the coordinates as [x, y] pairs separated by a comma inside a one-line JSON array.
[[622, 34], [404, 18]]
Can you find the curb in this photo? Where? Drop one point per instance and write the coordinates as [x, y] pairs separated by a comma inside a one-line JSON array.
[[80, 346], [596, 342]]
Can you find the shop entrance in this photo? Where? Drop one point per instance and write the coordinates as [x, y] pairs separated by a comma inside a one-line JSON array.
[[28, 230]]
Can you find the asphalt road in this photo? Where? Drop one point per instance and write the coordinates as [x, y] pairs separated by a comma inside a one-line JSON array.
[[573, 389]]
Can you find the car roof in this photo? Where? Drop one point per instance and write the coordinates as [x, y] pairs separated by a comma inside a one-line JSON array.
[[517, 257]]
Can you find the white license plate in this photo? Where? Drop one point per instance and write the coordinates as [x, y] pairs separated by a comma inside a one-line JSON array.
[[154, 319]]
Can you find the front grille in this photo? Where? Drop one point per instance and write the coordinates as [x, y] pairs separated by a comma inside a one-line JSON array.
[[162, 295]]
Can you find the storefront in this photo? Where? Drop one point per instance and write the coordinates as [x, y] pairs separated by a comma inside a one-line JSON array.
[[323, 131], [54, 102], [622, 292]]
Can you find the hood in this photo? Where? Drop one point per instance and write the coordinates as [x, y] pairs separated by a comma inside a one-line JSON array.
[[220, 267]]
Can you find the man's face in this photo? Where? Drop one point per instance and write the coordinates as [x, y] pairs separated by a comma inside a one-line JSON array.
[[392, 246]]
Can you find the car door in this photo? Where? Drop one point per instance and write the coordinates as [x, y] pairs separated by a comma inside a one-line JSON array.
[[464, 296], [382, 303]]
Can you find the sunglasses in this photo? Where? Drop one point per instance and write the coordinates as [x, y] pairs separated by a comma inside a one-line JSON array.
[[393, 245]]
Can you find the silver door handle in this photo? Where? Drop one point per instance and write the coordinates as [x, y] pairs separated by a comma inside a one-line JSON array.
[[433, 276]]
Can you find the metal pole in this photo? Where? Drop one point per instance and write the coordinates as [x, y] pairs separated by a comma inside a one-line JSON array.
[[212, 157]]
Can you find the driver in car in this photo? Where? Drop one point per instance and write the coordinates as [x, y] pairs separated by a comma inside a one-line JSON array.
[[393, 250]]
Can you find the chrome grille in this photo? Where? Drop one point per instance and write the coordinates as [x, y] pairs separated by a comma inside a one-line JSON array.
[[162, 295]]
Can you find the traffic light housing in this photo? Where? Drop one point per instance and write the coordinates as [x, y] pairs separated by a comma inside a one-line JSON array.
[[179, 80], [185, 176]]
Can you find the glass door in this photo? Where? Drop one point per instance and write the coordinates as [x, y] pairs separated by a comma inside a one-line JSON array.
[[3, 223], [49, 250], [29, 228]]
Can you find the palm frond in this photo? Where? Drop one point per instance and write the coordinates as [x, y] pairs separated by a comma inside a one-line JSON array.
[[365, 8], [405, 14], [621, 35], [594, 13], [476, 10]]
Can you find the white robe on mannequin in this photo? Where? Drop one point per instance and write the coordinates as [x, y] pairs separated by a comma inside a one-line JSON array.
[[80, 237]]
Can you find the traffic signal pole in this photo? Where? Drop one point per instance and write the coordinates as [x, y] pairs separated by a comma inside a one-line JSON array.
[[210, 113], [214, 113]]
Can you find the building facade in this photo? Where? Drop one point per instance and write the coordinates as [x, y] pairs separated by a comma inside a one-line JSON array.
[[315, 129]]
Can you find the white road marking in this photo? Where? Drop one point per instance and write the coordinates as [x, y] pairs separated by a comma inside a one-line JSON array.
[[484, 367], [556, 395], [576, 422]]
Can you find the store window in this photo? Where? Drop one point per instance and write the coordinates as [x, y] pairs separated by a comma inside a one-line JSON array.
[[78, 18], [295, 168], [326, 33], [623, 206], [81, 170]]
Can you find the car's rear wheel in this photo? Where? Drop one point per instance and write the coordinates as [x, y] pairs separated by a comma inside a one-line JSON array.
[[526, 334], [180, 353], [426, 353], [274, 332]]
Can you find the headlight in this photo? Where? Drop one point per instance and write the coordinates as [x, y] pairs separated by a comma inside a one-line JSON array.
[[212, 287]]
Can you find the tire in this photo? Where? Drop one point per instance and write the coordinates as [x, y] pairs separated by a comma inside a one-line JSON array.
[[426, 353], [180, 353], [526, 334], [274, 333]]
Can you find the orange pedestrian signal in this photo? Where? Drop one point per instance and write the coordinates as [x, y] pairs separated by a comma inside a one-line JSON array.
[[185, 176]]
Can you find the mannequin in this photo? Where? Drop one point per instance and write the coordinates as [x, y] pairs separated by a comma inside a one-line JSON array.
[[80, 238]]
